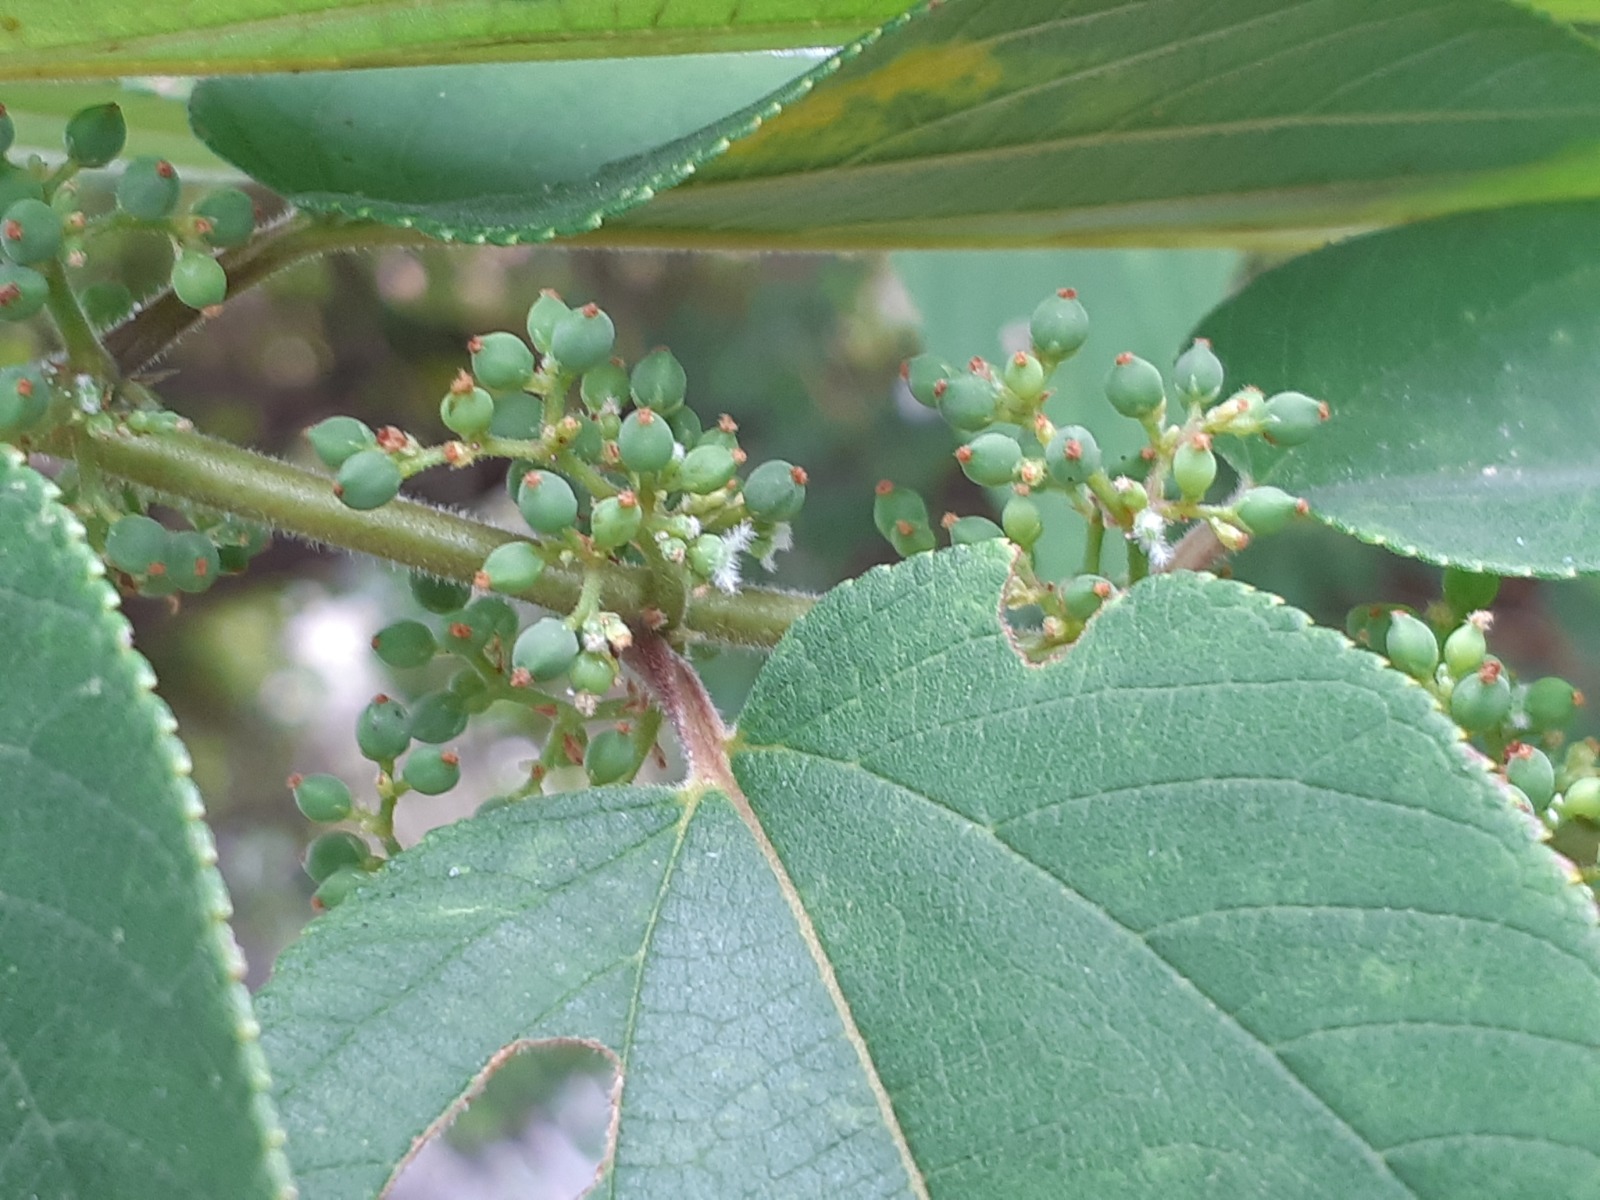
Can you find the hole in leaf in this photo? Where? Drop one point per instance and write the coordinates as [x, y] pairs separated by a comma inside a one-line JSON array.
[[536, 1124]]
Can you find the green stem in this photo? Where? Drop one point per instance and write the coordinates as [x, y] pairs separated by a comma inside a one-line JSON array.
[[1138, 562], [1094, 544], [85, 354]]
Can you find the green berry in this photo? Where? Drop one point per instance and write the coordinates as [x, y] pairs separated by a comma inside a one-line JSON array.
[[1464, 650], [658, 382], [24, 399], [582, 339], [479, 623], [706, 469], [501, 361], [1481, 701], [968, 530], [199, 280], [542, 318], [1550, 703], [990, 459], [686, 428], [707, 555], [1292, 417], [438, 595], [96, 135], [512, 567], [22, 292], [106, 302], [645, 441], [1194, 466], [148, 189], [1025, 375], [337, 438], [1411, 646], [338, 887], [615, 520], [1582, 799], [438, 717], [30, 232], [136, 543], [16, 183], [432, 771], [367, 479], [1134, 387], [383, 730], [602, 385], [472, 690], [1072, 455], [1059, 326], [467, 411], [231, 215], [923, 375], [8, 130], [1021, 521], [775, 491], [609, 757], [897, 506], [1529, 769], [547, 502], [545, 649], [517, 415], [910, 538], [333, 851], [968, 402], [1084, 595], [192, 561], [592, 673], [1467, 591], [1266, 510], [1198, 375], [321, 798], [405, 644]]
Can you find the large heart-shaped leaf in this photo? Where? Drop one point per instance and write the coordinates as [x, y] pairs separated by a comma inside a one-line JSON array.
[[1215, 906], [128, 1061], [1460, 360], [997, 122]]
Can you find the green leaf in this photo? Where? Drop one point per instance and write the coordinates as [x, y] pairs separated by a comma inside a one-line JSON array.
[[1458, 358], [1216, 905], [41, 39], [1008, 122], [128, 1061]]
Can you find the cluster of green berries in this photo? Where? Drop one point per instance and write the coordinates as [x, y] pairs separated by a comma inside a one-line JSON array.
[[155, 561], [43, 229], [1011, 443]]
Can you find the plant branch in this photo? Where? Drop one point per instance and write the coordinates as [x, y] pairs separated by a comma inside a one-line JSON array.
[[683, 697], [230, 479]]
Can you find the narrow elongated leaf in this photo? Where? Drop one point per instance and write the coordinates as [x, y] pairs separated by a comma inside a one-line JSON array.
[[128, 1065], [999, 122], [1216, 906], [98, 38], [1460, 359]]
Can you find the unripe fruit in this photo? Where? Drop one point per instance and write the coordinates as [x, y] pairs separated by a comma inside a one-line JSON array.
[[30, 232], [706, 469], [1197, 375], [333, 851], [1059, 326], [231, 215], [438, 595], [23, 292], [686, 427], [1072, 455], [1085, 594], [545, 649], [1264, 510], [432, 771], [192, 561], [706, 555], [990, 459], [1024, 374], [135, 544], [1482, 700], [923, 375], [909, 537], [321, 798], [337, 438], [17, 183], [1550, 703], [467, 411], [1194, 466], [472, 691], [501, 361], [1529, 769], [592, 673], [517, 415], [1021, 521], [383, 730], [609, 757], [547, 502], [337, 888], [512, 567], [645, 441], [148, 189], [775, 491], [895, 506], [480, 622], [658, 382], [438, 717], [94, 136], [405, 644], [1464, 650], [542, 318], [607, 383], [1411, 646], [1134, 386], [1582, 799], [368, 479], [24, 399], [970, 530], [615, 520], [1292, 418], [582, 339], [199, 280], [968, 402]]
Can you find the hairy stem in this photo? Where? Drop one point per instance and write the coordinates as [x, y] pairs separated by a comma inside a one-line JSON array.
[[85, 355]]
